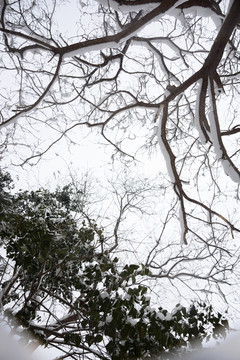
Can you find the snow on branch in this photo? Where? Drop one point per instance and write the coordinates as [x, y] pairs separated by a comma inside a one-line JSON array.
[[215, 134], [112, 41], [127, 6], [169, 157], [200, 118], [169, 160], [136, 5]]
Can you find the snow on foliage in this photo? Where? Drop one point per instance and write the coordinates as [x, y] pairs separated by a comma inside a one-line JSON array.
[[80, 298]]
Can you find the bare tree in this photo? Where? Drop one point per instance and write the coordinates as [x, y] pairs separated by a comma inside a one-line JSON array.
[[124, 65], [166, 71]]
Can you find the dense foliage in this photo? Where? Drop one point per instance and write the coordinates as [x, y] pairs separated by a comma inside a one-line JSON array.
[[60, 282]]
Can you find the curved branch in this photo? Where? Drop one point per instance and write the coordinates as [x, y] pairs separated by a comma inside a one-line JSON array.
[[15, 117]]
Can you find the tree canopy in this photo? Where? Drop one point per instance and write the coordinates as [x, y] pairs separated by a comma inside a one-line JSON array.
[[165, 71], [61, 288]]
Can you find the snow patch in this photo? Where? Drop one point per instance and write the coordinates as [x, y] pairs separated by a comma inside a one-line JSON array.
[[94, 47], [214, 135], [131, 321], [160, 316], [109, 319], [230, 4], [104, 295], [230, 171], [168, 317]]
